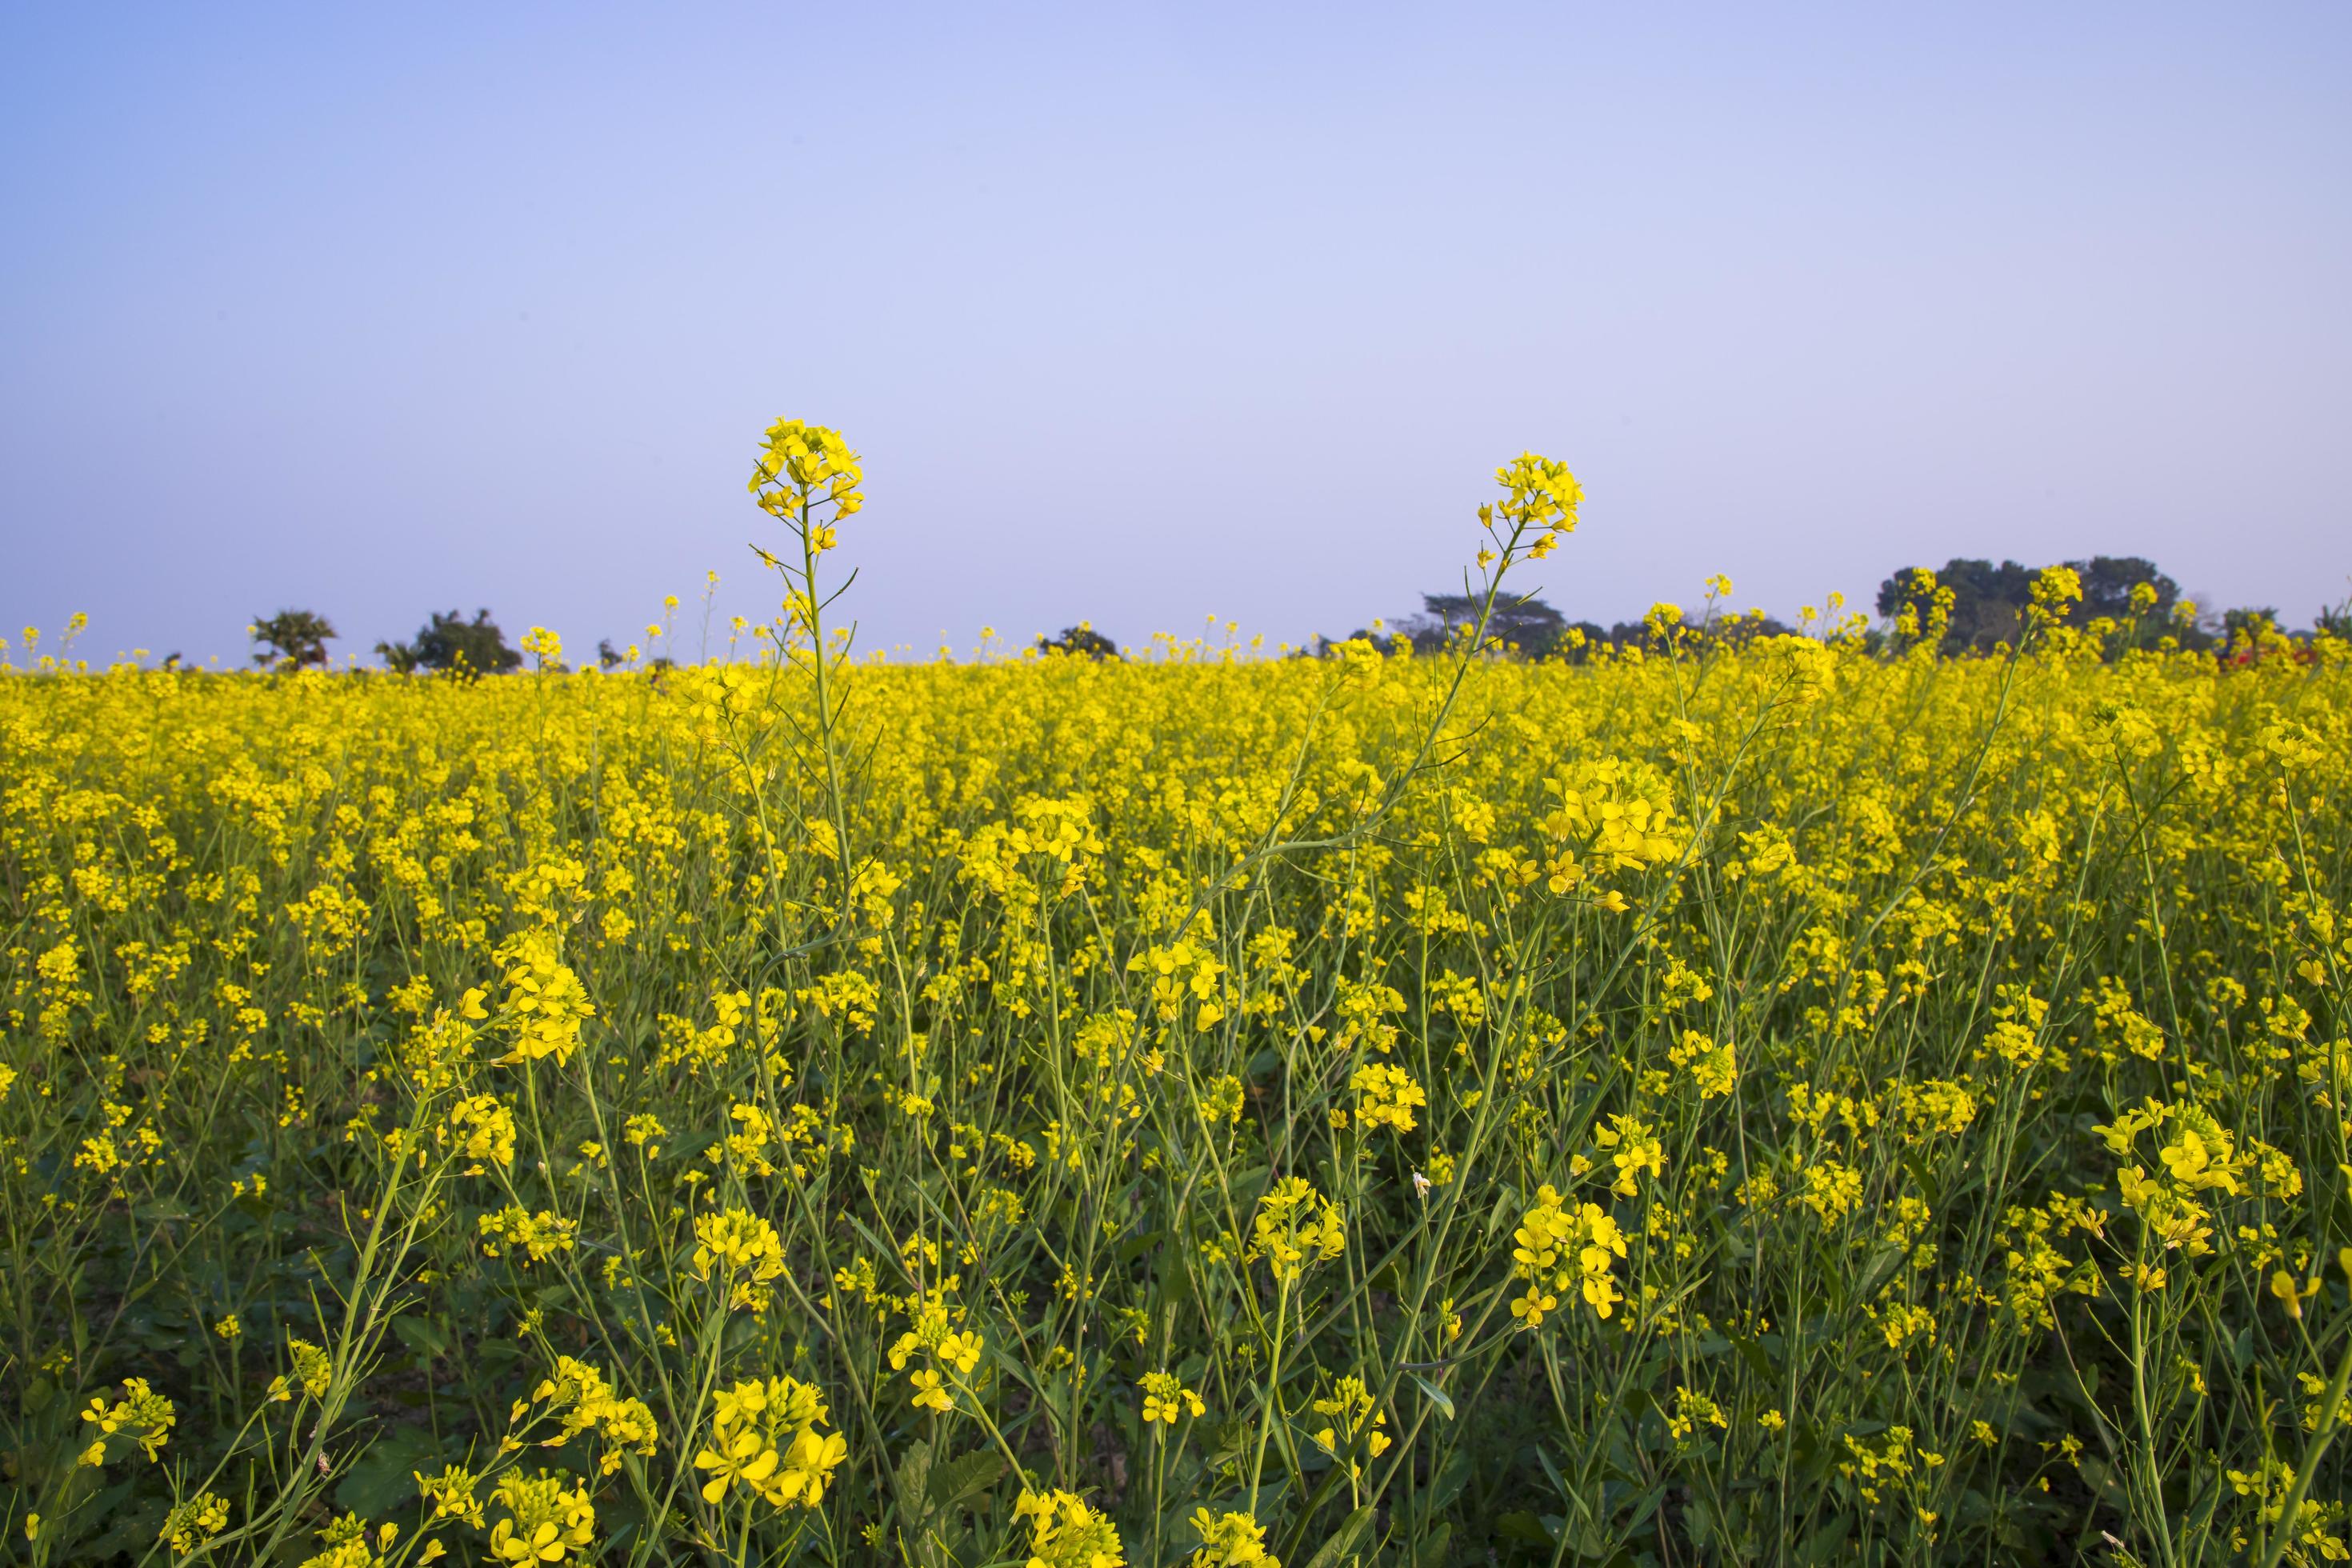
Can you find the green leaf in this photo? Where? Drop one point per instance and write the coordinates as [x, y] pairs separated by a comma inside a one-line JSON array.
[[383, 1478], [1698, 1523], [1559, 1482], [914, 1476], [1645, 1507], [429, 1340], [1437, 1396], [129, 1524], [1137, 1245], [1429, 1551], [1247, 1184], [1881, 1269], [1509, 1205], [1822, 1544], [1753, 1354], [953, 1482], [1452, 1477], [496, 1352], [1523, 1527], [2101, 1477], [1343, 1539]]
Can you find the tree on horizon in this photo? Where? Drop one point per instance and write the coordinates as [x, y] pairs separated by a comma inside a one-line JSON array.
[[1081, 641], [449, 641], [291, 640]]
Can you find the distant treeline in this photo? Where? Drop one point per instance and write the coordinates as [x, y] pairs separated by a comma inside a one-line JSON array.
[[1967, 606]]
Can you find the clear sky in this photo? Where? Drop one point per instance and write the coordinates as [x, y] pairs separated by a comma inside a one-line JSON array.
[[1145, 314]]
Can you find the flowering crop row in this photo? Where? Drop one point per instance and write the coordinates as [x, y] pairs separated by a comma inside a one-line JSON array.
[[1787, 1101]]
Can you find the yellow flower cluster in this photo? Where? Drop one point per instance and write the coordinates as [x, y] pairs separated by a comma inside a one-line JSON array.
[[1385, 1097], [141, 1418], [743, 1250], [545, 999], [933, 1336], [1557, 1250], [1354, 1422], [764, 1442], [1065, 1531], [481, 1129], [546, 1518], [1230, 1541], [802, 462], [586, 1403], [195, 1521], [1296, 1228], [350, 1543], [1165, 1397], [528, 1238]]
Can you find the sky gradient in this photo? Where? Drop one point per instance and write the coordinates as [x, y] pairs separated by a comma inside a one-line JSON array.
[[1151, 313]]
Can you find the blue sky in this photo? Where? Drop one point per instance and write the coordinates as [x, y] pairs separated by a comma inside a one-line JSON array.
[[1150, 313]]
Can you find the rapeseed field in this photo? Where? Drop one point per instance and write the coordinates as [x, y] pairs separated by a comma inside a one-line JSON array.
[[1771, 1098]]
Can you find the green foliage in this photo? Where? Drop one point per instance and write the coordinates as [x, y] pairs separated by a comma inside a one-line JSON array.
[[291, 640], [1527, 625], [2334, 620], [450, 642], [1081, 641], [1987, 602]]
